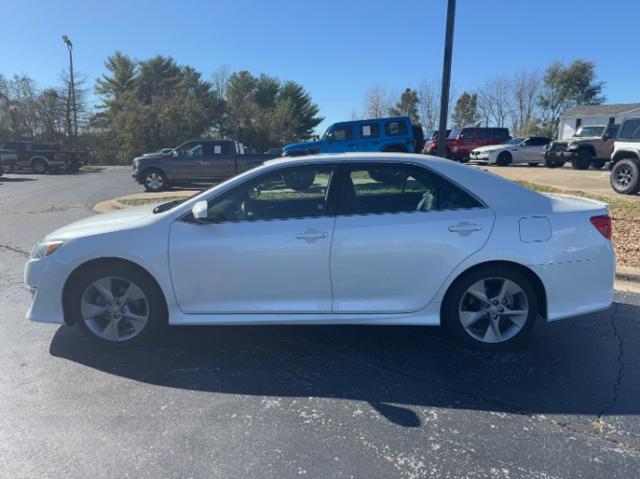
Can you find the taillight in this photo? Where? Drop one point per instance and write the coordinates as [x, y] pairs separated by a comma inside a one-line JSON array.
[[603, 225]]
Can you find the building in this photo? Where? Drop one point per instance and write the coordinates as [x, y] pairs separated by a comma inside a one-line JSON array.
[[588, 115]]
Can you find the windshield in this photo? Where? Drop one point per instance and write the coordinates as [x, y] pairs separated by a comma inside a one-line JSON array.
[[515, 141], [325, 134], [454, 133], [589, 131]]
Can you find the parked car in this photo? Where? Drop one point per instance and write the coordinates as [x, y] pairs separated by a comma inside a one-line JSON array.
[[395, 134], [8, 161], [462, 141], [516, 151], [446, 245], [590, 146], [195, 160], [625, 170], [44, 157], [431, 145]]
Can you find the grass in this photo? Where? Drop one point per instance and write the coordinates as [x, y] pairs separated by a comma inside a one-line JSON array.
[[626, 221], [92, 168], [148, 201]]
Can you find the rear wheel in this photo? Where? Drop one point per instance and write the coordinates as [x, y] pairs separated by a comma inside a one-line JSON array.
[[39, 166], [504, 159], [490, 308], [597, 164], [116, 305], [582, 160], [154, 180], [625, 176]]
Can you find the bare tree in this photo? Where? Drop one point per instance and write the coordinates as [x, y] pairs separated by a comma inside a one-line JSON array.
[[377, 102], [525, 89], [494, 101], [429, 103], [220, 78]]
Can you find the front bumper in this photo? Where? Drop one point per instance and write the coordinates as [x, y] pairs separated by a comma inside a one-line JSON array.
[[564, 155], [45, 278]]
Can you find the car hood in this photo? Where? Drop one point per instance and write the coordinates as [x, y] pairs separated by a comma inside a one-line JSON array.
[[304, 144], [128, 218]]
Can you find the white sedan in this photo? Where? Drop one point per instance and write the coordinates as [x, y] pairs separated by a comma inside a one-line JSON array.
[[393, 239], [516, 151]]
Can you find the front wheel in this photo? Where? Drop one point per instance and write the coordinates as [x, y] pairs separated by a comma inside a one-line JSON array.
[[625, 176], [116, 305], [39, 166], [490, 308], [154, 180], [582, 160]]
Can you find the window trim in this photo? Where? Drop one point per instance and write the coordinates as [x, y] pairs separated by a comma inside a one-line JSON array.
[[344, 169], [332, 196], [370, 137], [399, 135]]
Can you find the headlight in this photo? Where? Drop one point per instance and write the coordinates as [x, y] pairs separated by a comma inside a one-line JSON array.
[[45, 248]]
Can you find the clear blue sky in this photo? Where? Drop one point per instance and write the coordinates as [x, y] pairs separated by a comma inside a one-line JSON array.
[[337, 49]]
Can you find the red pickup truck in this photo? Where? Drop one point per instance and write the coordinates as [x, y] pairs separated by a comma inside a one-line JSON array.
[[461, 141]]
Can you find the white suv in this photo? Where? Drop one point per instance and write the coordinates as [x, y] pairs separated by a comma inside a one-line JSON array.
[[625, 160]]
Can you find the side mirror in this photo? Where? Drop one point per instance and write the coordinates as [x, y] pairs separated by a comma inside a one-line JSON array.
[[200, 212], [605, 137], [330, 137]]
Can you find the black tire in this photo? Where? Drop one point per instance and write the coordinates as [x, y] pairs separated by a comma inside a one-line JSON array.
[[553, 164], [73, 168], [154, 180], [157, 311], [454, 297], [504, 159], [533, 164], [300, 180], [625, 176], [597, 164], [39, 166], [582, 160]]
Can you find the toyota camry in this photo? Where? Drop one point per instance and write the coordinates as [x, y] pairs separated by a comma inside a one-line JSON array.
[[368, 238]]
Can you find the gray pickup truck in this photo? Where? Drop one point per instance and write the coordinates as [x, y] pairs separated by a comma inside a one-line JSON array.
[[197, 160]]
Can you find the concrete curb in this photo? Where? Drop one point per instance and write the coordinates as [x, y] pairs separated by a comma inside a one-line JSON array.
[[628, 273]]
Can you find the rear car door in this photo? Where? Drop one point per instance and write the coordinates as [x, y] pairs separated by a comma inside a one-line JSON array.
[[220, 160], [400, 231], [369, 136]]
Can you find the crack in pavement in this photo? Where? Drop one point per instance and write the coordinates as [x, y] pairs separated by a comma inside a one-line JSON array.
[[15, 249], [616, 386]]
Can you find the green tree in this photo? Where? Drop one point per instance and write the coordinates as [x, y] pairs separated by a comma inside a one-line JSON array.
[[407, 106], [466, 110], [568, 87]]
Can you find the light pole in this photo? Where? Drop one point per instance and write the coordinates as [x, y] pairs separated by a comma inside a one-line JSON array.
[[66, 40], [446, 78]]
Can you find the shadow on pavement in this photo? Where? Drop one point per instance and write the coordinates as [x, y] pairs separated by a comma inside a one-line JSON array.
[[567, 367], [12, 179]]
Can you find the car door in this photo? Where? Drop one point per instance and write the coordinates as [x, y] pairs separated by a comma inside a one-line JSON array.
[[265, 249], [532, 150], [400, 232], [186, 162], [369, 136], [219, 160], [341, 139]]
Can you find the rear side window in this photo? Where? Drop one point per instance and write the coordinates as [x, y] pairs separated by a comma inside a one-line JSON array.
[[501, 133], [369, 130], [630, 130], [484, 133], [536, 141], [378, 189], [342, 133], [396, 128]]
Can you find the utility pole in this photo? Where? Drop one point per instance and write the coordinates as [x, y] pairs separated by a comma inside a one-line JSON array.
[[446, 78], [66, 40]]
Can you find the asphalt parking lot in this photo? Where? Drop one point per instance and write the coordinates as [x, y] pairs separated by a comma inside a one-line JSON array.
[[301, 401]]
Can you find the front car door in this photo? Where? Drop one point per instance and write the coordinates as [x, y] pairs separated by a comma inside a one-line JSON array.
[[341, 139], [187, 161], [265, 250], [400, 231]]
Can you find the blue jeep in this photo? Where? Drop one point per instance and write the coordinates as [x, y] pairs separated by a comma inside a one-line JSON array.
[[383, 134]]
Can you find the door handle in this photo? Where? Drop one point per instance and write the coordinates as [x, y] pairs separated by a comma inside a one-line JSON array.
[[464, 228], [312, 235]]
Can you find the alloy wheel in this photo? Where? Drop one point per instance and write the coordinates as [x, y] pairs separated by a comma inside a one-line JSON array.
[[114, 309], [624, 175], [493, 310], [154, 181]]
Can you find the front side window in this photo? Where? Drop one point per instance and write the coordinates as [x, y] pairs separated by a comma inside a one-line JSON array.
[[468, 134], [587, 131], [630, 130], [396, 128], [342, 133], [378, 189], [191, 150], [297, 192]]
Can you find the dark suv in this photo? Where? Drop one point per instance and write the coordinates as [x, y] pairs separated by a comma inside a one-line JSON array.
[[461, 141]]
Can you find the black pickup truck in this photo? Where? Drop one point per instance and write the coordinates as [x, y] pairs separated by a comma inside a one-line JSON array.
[[44, 157], [197, 160], [8, 160]]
